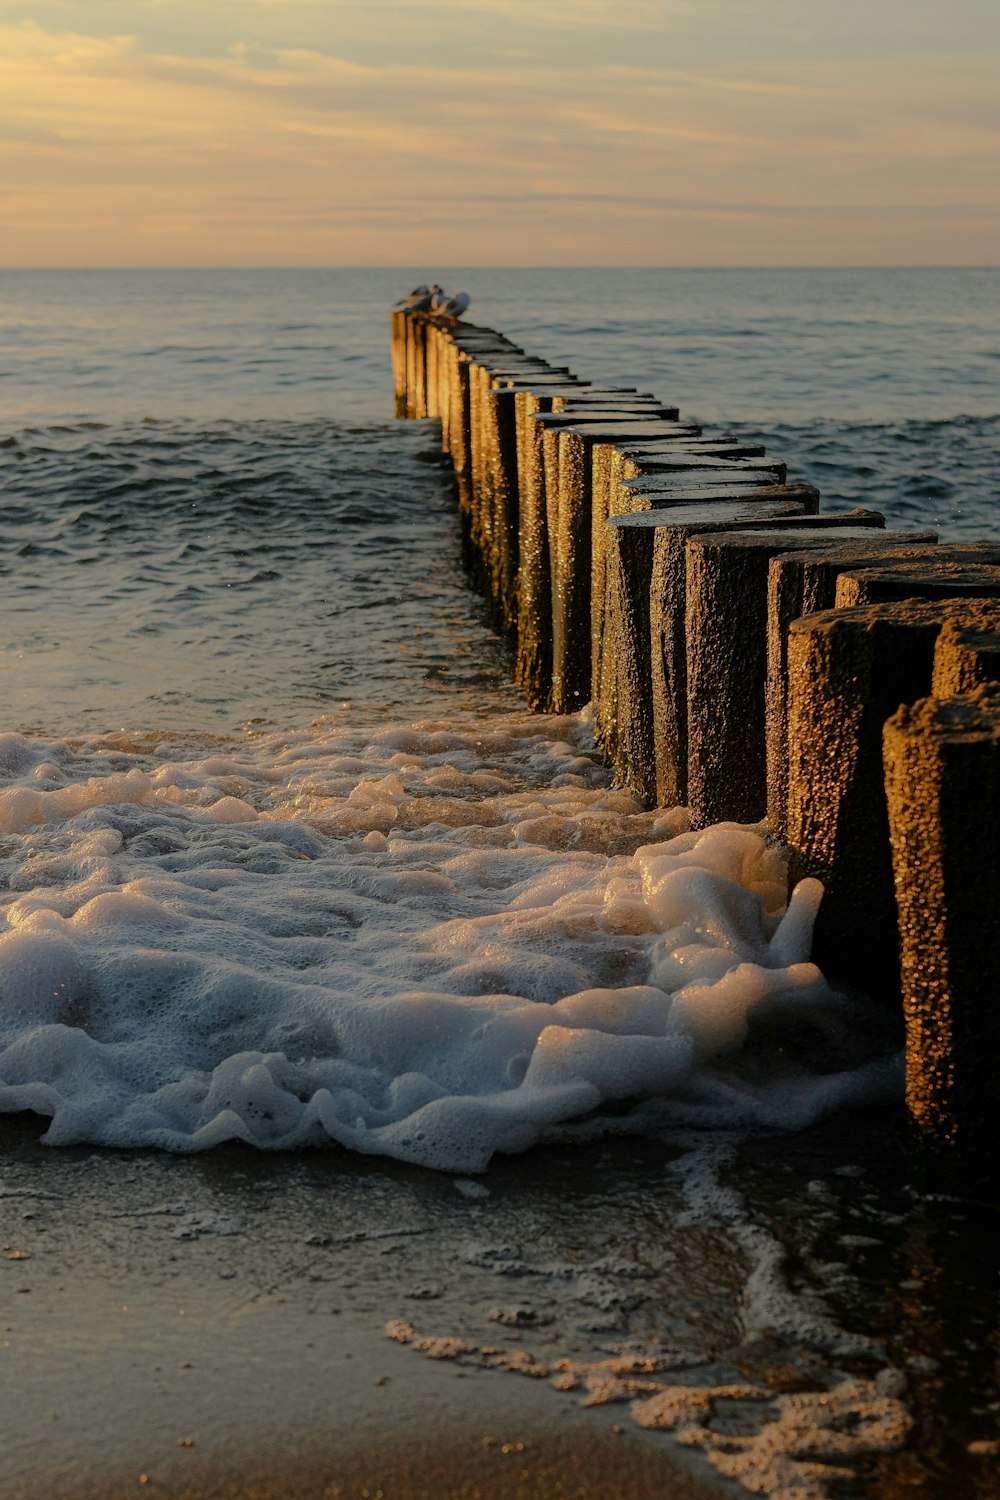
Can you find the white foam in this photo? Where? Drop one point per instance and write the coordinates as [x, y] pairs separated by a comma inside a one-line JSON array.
[[433, 941]]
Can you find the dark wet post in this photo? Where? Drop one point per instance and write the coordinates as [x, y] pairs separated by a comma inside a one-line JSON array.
[[800, 583], [504, 484], [592, 422], [942, 770], [459, 437], [848, 671], [464, 346], [679, 510], [726, 631], [444, 357]]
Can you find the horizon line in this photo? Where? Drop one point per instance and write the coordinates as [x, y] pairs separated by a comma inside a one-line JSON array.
[[527, 266]]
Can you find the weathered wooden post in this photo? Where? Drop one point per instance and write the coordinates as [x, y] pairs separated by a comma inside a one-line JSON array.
[[418, 338], [502, 484], [848, 671], [535, 413], [432, 405], [669, 593], [583, 435], [951, 576], [801, 583], [726, 631], [399, 361], [942, 770], [514, 496], [411, 365], [567, 451], [609, 497], [643, 668], [967, 655], [569, 454], [463, 348], [499, 500], [484, 372]]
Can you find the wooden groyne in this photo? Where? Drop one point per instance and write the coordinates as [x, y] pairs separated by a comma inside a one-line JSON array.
[[746, 654]]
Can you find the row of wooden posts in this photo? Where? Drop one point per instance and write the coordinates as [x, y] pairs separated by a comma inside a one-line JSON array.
[[748, 655]]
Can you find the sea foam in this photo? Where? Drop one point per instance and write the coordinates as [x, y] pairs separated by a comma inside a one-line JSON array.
[[432, 941]]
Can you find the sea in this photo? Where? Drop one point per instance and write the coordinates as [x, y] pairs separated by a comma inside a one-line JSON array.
[[283, 858], [271, 807]]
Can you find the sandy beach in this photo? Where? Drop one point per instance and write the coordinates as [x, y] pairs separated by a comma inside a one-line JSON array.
[[213, 1326], [216, 1325]]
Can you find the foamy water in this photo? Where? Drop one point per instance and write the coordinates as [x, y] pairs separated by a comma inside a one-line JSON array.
[[433, 942]]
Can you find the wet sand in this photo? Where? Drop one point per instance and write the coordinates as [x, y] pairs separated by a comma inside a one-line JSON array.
[[217, 1323], [576, 1464]]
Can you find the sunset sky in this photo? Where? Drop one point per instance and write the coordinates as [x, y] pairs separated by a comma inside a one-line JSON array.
[[490, 132]]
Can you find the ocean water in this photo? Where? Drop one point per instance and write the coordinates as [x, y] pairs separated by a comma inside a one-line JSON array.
[[282, 857]]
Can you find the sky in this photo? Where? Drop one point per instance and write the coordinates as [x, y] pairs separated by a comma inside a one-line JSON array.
[[499, 132]]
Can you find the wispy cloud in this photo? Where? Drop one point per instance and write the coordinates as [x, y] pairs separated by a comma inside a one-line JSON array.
[[254, 148]]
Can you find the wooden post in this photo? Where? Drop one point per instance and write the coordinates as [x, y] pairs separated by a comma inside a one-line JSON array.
[[418, 338], [537, 411], [726, 630], [569, 490], [399, 361], [942, 770], [967, 654], [643, 664], [640, 463], [483, 371], [432, 407], [460, 439], [497, 498], [608, 498], [800, 583], [848, 670], [941, 578], [459, 374], [411, 366], [802, 500]]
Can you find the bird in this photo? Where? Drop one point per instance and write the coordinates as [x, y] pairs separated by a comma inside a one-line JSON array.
[[420, 299], [452, 307]]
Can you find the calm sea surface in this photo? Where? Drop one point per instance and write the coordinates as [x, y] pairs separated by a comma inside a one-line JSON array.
[[210, 516]]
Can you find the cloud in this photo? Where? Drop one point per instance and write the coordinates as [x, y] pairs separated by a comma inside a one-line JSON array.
[[647, 15], [120, 150]]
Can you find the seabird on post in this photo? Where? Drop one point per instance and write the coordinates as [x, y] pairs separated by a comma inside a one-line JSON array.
[[420, 299], [452, 307]]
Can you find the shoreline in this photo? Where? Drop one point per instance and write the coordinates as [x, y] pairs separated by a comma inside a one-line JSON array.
[[238, 1302], [216, 1323]]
